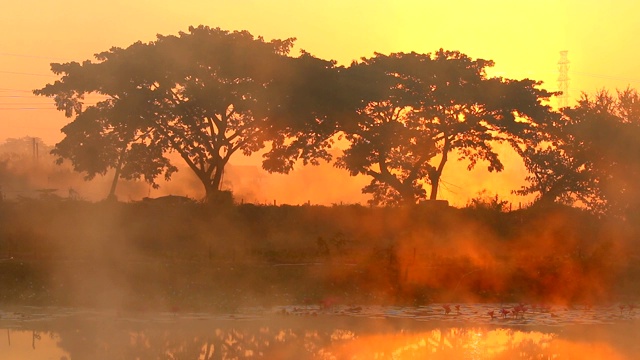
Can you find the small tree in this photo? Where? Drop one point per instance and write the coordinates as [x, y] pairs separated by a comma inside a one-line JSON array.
[[484, 201]]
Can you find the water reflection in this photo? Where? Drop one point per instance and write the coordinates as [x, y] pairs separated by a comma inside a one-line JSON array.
[[31, 344], [88, 336]]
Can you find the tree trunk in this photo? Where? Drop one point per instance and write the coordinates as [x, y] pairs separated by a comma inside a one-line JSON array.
[[116, 177], [218, 197], [114, 184], [435, 182], [210, 193], [216, 181], [436, 174], [407, 195], [214, 195]]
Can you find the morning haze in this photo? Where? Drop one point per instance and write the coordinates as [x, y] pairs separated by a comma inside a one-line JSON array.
[[368, 179]]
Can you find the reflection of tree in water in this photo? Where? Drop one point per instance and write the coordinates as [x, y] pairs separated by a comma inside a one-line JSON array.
[[452, 343], [253, 341], [230, 344]]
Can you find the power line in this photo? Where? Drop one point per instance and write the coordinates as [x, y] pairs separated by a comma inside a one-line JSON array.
[[450, 184], [17, 105], [587, 74], [29, 108], [447, 188], [26, 103], [611, 77], [24, 73], [51, 107], [32, 96], [33, 56], [17, 90]]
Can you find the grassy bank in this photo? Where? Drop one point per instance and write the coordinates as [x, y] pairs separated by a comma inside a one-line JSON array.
[[175, 256]]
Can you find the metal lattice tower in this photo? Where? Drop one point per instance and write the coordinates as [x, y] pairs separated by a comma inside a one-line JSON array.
[[563, 79]]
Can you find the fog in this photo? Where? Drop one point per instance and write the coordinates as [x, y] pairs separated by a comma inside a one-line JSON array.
[[174, 254], [142, 258], [25, 173], [226, 260]]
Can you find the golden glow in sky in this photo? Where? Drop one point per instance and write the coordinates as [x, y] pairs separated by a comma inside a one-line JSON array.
[[523, 38]]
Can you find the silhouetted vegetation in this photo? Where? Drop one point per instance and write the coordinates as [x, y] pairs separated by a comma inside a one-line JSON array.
[[210, 93], [591, 156], [204, 95], [417, 110]]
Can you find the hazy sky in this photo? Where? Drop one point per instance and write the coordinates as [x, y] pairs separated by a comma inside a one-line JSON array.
[[523, 38]]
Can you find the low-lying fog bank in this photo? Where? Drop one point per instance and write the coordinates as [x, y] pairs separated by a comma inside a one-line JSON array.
[[186, 256]]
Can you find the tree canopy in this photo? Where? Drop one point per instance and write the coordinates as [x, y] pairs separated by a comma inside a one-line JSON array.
[[208, 94], [417, 109], [591, 155], [205, 95]]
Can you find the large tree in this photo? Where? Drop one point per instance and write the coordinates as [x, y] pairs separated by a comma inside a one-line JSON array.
[[206, 95], [591, 157], [416, 110]]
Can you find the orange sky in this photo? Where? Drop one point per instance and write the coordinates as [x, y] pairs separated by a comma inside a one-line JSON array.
[[523, 37]]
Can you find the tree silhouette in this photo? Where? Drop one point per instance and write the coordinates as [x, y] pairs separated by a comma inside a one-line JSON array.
[[116, 132], [388, 137], [591, 155], [415, 110], [556, 177], [205, 95]]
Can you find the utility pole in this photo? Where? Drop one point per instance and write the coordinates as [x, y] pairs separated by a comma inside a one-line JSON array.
[[35, 150], [563, 79]]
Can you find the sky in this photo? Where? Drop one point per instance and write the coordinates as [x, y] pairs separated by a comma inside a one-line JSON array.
[[524, 39]]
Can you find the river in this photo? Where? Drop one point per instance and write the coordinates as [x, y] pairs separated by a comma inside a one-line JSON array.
[[467, 331]]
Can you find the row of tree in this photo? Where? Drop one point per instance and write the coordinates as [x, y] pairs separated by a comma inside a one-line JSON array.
[[208, 94]]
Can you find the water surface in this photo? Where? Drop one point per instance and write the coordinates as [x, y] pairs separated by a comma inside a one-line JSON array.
[[324, 332]]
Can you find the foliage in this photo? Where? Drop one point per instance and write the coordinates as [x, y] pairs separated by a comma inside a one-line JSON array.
[[416, 109], [386, 141], [484, 201], [555, 176], [205, 95], [591, 158], [310, 96]]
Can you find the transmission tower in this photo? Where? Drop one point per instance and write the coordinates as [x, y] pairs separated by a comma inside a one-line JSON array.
[[563, 79]]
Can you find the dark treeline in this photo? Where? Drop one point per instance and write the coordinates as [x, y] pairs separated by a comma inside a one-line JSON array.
[[149, 255], [208, 94]]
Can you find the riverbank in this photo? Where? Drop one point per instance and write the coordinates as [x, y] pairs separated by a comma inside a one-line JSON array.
[[159, 256]]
